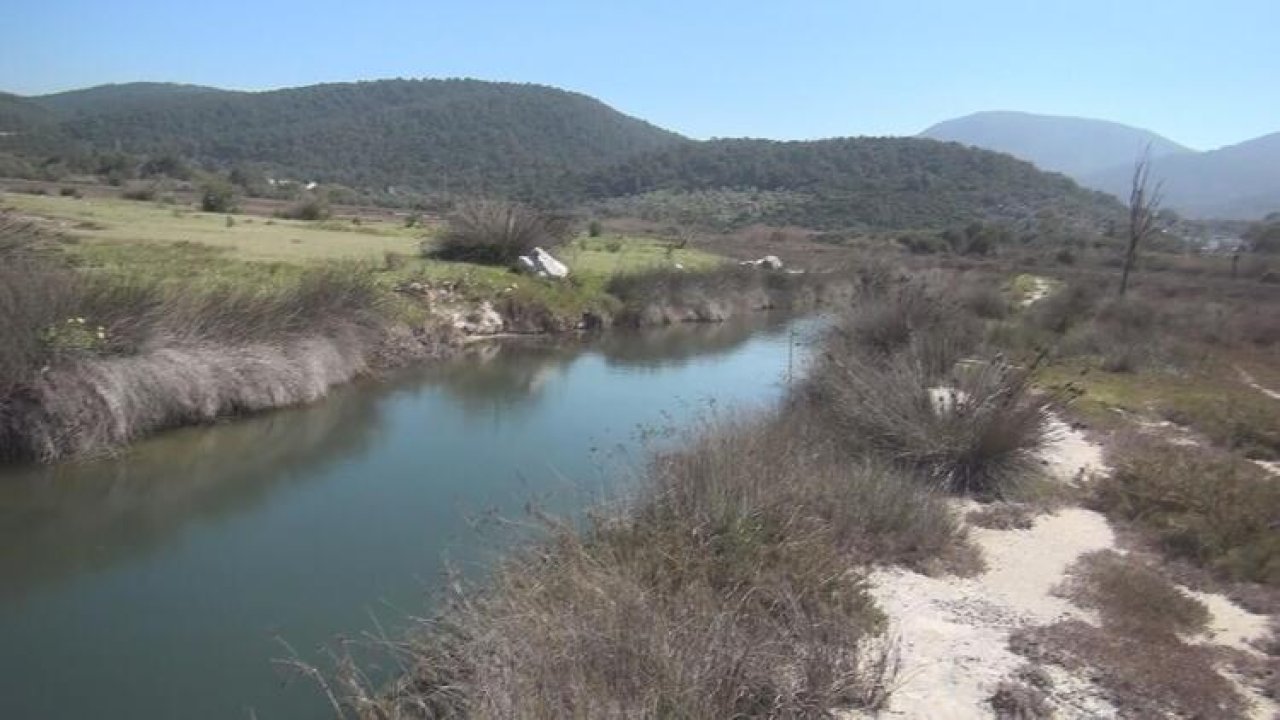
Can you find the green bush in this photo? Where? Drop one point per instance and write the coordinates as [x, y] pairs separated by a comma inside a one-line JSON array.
[[218, 196]]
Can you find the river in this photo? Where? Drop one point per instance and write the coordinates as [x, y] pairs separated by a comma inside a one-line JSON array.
[[161, 582]]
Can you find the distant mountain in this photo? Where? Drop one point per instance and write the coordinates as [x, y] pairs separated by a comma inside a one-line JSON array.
[[1239, 182], [1077, 147], [465, 135], [845, 182]]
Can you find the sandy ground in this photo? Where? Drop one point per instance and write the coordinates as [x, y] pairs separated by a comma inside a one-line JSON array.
[[954, 632], [1039, 290]]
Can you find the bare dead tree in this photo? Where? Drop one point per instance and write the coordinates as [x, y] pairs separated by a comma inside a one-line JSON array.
[[1144, 206]]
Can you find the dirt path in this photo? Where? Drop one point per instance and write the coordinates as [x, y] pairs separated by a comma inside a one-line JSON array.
[[954, 632]]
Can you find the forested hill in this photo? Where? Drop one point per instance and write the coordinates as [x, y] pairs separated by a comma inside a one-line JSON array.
[[427, 134], [845, 182], [531, 142]]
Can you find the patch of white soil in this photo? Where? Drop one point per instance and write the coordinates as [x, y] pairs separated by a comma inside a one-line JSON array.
[[954, 632]]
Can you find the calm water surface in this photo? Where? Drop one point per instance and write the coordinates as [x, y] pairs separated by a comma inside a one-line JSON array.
[[158, 584]]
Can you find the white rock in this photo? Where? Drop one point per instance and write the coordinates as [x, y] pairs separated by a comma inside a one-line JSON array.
[[483, 320], [542, 264], [550, 266]]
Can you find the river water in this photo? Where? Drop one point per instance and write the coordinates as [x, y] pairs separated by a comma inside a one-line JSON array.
[[164, 582]]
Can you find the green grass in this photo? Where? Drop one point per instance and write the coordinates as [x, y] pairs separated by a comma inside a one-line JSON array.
[[135, 240], [110, 221], [1211, 400]]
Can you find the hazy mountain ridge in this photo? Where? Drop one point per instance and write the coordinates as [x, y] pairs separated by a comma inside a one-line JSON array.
[[1069, 145], [1237, 182]]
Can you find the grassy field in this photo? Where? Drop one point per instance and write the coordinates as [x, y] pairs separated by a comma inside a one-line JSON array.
[[103, 223]]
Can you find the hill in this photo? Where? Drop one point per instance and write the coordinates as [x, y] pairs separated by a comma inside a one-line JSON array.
[[537, 143], [1240, 182], [1075, 146], [837, 183], [427, 134]]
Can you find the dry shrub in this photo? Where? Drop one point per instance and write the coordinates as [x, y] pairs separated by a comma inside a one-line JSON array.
[[733, 586], [1016, 701], [1131, 597], [911, 320], [1068, 306], [1200, 504], [980, 436], [888, 381], [497, 232], [1144, 677], [1003, 516]]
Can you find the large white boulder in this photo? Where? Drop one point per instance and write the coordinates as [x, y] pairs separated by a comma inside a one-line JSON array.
[[542, 264]]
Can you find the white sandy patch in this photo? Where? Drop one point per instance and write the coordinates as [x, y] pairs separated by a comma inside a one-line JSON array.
[[1271, 466], [1039, 289], [1248, 379], [955, 631], [1070, 455], [1230, 624]]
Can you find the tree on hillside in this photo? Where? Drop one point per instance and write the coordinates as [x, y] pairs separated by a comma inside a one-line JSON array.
[[1144, 206]]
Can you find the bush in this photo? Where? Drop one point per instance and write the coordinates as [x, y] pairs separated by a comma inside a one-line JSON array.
[[217, 196], [888, 381], [145, 193], [594, 229], [310, 209], [496, 233], [1131, 597], [1197, 504], [70, 192]]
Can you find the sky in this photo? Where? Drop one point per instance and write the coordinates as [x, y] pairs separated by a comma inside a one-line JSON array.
[[1205, 74]]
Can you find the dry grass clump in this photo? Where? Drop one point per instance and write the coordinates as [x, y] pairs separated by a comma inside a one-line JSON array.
[[888, 382], [498, 232], [1200, 504], [1137, 655], [1144, 677], [91, 359], [733, 586], [1131, 597], [1003, 516]]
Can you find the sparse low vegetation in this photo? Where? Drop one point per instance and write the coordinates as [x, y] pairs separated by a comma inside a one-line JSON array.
[[1199, 504]]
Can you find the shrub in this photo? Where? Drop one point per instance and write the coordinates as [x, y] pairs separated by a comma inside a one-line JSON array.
[[145, 193], [888, 379], [981, 436], [1061, 310], [1131, 597], [1198, 504], [496, 233], [218, 196], [594, 229], [70, 192], [311, 209]]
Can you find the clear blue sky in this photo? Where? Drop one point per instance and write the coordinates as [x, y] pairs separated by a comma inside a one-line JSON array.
[[1203, 73]]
